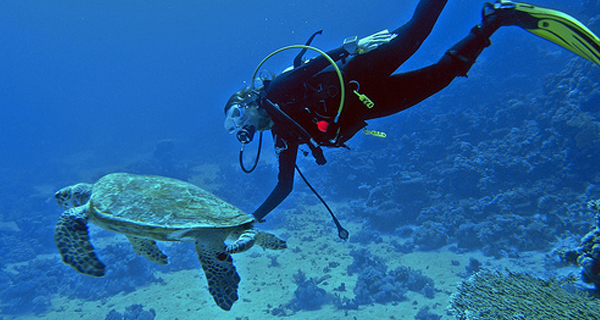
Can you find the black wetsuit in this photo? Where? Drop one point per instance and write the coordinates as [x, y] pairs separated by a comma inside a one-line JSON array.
[[309, 94]]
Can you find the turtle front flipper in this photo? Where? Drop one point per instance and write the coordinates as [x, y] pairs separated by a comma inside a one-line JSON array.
[[269, 241], [73, 243], [220, 274], [245, 241], [148, 249]]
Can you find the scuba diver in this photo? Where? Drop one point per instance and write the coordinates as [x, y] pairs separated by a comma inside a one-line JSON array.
[[307, 104]]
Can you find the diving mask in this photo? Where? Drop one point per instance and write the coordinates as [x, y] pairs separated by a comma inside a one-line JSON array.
[[246, 117], [240, 114]]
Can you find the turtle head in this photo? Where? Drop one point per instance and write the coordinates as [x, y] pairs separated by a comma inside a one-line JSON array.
[[73, 196]]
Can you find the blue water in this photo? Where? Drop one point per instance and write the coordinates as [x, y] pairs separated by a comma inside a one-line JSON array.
[[92, 87], [113, 78]]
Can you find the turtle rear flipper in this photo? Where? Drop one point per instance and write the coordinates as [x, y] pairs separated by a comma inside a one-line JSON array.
[[220, 274], [148, 249], [73, 243]]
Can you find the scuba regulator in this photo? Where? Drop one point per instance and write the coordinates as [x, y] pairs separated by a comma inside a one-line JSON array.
[[246, 134]]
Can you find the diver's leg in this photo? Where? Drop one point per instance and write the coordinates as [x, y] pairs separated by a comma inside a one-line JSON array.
[[402, 91], [381, 63]]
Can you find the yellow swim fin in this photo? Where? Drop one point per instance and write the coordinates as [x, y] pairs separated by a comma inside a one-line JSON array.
[[556, 26]]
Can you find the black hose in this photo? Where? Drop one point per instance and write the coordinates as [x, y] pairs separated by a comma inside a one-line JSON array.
[[342, 233], [255, 159]]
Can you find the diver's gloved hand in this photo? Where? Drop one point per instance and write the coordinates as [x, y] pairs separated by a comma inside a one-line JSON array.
[[366, 44]]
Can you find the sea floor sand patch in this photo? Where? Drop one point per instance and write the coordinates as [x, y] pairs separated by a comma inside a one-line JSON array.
[[263, 288], [267, 279]]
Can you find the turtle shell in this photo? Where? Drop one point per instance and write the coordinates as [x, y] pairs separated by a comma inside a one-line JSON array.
[[155, 201]]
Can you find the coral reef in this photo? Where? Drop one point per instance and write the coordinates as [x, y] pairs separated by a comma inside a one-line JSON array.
[[29, 287], [379, 286], [495, 295], [308, 295], [430, 235], [376, 284], [366, 236], [589, 250], [18, 295], [362, 260], [506, 174], [23, 236]]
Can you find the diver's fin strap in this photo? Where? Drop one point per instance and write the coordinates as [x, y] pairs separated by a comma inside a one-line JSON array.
[[299, 58], [562, 29], [468, 49]]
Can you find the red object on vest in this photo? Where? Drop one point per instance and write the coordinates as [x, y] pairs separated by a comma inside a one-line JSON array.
[[322, 125]]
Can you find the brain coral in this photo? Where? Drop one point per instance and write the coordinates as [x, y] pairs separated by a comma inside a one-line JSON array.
[[495, 295]]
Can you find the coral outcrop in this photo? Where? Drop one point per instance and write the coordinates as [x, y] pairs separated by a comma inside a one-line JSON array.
[[589, 251], [496, 295]]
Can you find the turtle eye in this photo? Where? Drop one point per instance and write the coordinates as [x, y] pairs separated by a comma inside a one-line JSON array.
[[61, 198]]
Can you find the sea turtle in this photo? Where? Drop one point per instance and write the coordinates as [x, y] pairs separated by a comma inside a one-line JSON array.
[[149, 208]]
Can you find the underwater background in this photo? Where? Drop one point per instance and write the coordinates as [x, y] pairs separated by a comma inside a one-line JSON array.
[[493, 174]]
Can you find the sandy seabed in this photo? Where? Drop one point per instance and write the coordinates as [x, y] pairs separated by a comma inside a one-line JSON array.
[[312, 246]]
